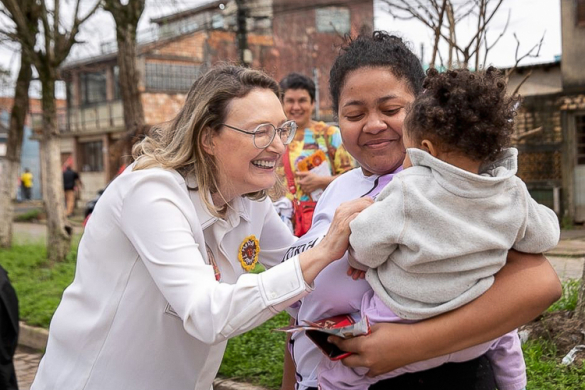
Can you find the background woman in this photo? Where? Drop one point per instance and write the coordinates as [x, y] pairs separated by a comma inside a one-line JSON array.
[[298, 101], [161, 280], [371, 83]]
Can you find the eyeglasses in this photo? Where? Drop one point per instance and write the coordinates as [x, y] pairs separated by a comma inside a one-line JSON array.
[[264, 134]]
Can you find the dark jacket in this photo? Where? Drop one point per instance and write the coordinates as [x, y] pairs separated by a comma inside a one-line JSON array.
[[8, 332]]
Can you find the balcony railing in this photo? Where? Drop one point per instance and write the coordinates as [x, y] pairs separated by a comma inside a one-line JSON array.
[[107, 116]]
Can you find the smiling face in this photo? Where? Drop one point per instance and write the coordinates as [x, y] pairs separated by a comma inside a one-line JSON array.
[[371, 112], [244, 168], [298, 106]]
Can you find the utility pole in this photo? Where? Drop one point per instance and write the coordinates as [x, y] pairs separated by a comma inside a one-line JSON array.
[[242, 33], [317, 100]]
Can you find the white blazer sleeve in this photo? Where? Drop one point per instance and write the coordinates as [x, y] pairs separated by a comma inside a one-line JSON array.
[[276, 237], [154, 218]]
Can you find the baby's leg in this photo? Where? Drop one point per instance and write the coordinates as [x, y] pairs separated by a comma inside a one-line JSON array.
[[507, 360], [334, 375], [378, 312]]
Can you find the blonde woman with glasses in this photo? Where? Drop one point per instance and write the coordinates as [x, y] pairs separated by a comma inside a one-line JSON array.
[[162, 271]]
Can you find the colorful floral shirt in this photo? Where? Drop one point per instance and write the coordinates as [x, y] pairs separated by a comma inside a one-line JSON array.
[[311, 140]]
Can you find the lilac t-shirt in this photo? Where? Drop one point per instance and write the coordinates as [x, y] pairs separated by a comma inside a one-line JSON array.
[[335, 292]]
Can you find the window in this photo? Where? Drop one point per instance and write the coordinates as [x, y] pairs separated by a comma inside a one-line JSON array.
[[580, 138], [333, 20], [93, 88], [170, 77], [581, 13], [217, 21], [92, 157]]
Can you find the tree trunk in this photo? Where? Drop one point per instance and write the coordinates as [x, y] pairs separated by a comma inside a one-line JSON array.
[[131, 99], [58, 228], [438, 34], [580, 309], [11, 162], [452, 37], [126, 18]]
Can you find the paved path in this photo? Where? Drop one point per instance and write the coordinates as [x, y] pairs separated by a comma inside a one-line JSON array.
[[26, 362], [567, 259]]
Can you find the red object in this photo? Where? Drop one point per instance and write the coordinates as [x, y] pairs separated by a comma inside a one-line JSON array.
[[68, 163], [302, 210], [320, 338], [121, 169]]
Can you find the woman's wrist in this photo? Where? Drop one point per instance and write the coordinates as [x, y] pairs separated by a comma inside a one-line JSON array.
[[326, 180], [312, 262]]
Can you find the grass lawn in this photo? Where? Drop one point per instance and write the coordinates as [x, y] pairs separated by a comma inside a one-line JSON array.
[[39, 287], [256, 356]]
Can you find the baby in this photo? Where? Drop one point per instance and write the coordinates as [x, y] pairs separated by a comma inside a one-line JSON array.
[[442, 228]]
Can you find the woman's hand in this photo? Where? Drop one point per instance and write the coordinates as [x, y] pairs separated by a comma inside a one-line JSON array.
[[524, 288], [335, 242], [309, 182], [367, 351]]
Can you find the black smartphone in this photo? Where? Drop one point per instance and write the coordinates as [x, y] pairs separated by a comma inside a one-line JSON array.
[[330, 350]]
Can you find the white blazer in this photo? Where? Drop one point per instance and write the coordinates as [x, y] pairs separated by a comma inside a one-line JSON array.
[[145, 311]]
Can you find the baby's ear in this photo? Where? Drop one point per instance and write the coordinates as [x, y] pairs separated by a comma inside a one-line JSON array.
[[427, 146]]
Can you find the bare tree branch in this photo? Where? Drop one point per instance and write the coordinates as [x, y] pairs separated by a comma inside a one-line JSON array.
[[529, 54], [483, 9], [443, 23], [518, 137], [489, 47], [437, 32], [521, 83]]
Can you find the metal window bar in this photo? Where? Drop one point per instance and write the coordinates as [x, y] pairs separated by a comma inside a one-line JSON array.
[[92, 157], [170, 77], [580, 138]]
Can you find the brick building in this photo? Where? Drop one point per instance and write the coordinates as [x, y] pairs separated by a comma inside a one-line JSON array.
[[552, 161], [282, 36]]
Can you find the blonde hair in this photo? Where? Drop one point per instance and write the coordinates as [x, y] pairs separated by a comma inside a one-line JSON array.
[[177, 144]]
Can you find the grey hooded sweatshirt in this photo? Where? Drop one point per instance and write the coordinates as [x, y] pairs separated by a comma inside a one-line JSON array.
[[437, 234]]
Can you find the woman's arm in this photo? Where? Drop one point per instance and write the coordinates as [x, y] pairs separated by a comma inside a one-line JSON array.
[[522, 290], [335, 242], [309, 181], [157, 219]]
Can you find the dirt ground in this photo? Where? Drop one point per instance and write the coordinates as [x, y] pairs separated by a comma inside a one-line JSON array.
[[562, 329]]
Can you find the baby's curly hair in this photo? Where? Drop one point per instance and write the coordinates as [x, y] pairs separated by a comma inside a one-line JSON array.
[[463, 111]]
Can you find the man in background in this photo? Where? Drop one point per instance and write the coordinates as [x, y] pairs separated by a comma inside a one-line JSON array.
[[70, 181], [26, 183]]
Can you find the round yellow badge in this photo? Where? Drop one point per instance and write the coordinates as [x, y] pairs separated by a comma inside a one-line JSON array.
[[248, 252]]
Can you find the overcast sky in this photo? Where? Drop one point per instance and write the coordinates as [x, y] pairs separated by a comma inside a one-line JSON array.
[[529, 19]]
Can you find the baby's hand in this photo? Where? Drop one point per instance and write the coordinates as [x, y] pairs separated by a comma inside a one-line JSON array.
[[356, 273]]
